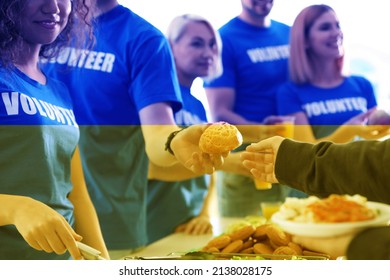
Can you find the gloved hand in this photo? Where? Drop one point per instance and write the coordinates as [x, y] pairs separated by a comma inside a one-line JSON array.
[[45, 229], [196, 226]]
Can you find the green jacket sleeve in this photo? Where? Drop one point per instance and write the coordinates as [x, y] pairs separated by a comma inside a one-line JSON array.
[[360, 167], [370, 244]]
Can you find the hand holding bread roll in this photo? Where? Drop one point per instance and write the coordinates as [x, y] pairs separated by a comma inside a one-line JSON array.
[[220, 138], [214, 143]]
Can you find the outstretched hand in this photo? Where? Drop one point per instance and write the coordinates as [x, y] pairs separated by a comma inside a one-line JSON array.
[[260, 158], [45, 229]]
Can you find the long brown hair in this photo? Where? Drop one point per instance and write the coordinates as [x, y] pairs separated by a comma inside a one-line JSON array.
[[300, 67]]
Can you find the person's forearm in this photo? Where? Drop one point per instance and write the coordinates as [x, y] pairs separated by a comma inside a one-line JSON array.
[[208, 200], [253, 132], [342, 134], [86, 219], [325, 168], [370, 244], [9, 205], [87, 225], [231, 117], [156, 137], [176, 172], [157, 124]]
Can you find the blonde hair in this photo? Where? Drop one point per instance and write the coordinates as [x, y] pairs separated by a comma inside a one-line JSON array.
[[177, 28], [300, 66]]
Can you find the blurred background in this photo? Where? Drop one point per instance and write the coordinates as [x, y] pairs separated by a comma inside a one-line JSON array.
[[364, 24]]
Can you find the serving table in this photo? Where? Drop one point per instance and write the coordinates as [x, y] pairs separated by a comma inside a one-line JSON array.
[[180, 242]]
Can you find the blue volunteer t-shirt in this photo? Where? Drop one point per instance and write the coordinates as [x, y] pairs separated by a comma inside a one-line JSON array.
[[38, 137], [254, 64], [129, 68], [327, 106]]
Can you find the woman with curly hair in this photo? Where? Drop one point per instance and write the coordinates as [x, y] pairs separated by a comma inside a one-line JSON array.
[[45, 206]]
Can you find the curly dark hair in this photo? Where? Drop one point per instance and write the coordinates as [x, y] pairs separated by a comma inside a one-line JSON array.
[[78, 30]]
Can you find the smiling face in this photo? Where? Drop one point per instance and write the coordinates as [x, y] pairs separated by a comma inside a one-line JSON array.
[[43, 20], [325, 38], [194, 52]]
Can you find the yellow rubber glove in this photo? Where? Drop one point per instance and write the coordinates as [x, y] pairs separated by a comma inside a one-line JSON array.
[[45, 229], [196, 226]]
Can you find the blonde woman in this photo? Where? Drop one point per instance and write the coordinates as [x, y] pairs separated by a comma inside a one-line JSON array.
[[180, 201]]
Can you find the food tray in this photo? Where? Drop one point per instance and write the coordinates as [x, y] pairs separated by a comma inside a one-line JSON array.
[[227, 256]]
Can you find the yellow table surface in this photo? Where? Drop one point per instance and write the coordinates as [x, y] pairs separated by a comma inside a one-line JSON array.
[[180, 242]]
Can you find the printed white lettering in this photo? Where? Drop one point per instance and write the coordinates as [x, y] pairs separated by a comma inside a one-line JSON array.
[[39, 107], [331, 106], [108, 63], [83, 56], [31, 106], [58, 116], [70, 113], [63, 56], [269, 53], [90, 60], [49, 111], [73, 57], [98, 61], [335, 106], [28, 105], [11, 104]]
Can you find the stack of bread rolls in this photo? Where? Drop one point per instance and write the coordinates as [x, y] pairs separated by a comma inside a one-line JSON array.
[[264, 239]]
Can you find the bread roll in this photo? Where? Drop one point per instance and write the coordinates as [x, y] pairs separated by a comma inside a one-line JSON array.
[[277, 236], [233, 247], [220, 138], [243, 233], [219, 242]]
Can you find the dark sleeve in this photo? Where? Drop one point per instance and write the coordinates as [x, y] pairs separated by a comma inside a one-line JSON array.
[[360, 167], [370, 244]]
